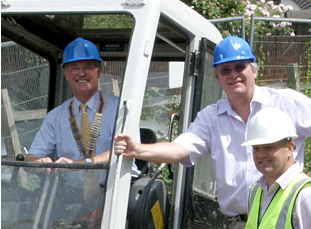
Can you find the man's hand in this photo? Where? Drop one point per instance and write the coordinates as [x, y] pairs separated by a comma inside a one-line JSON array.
[[162, 152], [126, 145], [31, 157], [63, 160]]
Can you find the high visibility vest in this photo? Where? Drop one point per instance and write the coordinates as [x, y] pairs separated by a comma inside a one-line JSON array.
[[279, 212]]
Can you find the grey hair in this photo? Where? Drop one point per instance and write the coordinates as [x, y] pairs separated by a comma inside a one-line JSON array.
[[255, 66]]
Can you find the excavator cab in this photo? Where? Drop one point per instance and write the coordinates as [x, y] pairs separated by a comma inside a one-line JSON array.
[[157, 60]]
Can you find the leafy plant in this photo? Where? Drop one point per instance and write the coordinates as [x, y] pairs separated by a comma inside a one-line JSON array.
[[221, 9], [269, 9], [307, 92], [233, 8]]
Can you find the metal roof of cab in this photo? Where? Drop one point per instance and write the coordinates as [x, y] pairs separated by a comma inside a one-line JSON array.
[[175, 10]]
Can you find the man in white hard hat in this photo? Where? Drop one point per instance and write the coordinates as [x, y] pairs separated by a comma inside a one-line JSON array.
[[282, 196]]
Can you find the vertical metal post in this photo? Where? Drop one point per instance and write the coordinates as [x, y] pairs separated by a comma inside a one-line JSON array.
[[243, 26], [251, 34], [293, 76]]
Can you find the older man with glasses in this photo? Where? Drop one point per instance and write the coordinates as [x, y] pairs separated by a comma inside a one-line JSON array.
[[82, 66], [80, 131], [219, 129]]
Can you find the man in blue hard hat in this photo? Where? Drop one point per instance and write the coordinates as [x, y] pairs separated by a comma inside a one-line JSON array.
[[219, 129], [81, 67], [80, 131]]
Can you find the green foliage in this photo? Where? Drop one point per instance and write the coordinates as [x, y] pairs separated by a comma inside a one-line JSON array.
[[261, 58], [221, 9], [268, 9], [108, 21], [218, 9], [233, 8], [156, 113], [307, 81], [307, 92], [161, 114], [307, 167], [166, 178]]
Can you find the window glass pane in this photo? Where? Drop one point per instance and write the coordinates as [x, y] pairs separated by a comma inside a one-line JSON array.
[[24, 88], [35, 197], [113, 21], [204, 178], [162, 97], [112, 77], [159, 101]]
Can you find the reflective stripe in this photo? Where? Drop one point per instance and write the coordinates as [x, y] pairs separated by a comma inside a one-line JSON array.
[[252, 195], [253, 218], [279, 213], [288, 206]]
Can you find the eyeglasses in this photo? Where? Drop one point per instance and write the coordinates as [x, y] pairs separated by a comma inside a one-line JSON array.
[[239, 67], [86, 69]]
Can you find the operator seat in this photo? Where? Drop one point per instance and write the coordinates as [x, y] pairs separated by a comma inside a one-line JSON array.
[[146, 136], [148, 206]]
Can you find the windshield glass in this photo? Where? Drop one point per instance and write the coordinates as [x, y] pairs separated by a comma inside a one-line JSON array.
[[51, 196], [33, 84]]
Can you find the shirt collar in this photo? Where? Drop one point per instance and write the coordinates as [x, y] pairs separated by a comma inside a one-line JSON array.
[[92, 103], [284, 180], [259, 97], [224, 106], [289, 175]]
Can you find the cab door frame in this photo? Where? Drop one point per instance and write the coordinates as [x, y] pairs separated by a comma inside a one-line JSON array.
[[206, 92]]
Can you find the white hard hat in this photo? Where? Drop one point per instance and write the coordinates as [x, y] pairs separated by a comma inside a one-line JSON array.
[[269, 125]]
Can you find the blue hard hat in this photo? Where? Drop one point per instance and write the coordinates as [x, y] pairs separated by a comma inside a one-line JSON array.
[[232, 48], [80, 49]]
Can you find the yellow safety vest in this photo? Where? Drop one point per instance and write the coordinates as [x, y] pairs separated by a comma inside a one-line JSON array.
[[279, 212]]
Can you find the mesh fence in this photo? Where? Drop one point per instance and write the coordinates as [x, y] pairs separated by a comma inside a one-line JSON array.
[[278, 55], [112, 70], [26, 77]]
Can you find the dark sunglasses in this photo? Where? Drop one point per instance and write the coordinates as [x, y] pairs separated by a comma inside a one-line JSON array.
[[239, 67]]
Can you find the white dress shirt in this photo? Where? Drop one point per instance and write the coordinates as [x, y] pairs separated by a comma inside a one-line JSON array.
[[219, 131]]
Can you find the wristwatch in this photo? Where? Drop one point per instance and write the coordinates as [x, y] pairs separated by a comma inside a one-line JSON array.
[[88, 160], [89, 172]]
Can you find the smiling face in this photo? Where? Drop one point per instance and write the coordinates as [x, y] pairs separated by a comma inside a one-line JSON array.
[[237, 78], [272, 160], [83, 78]]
